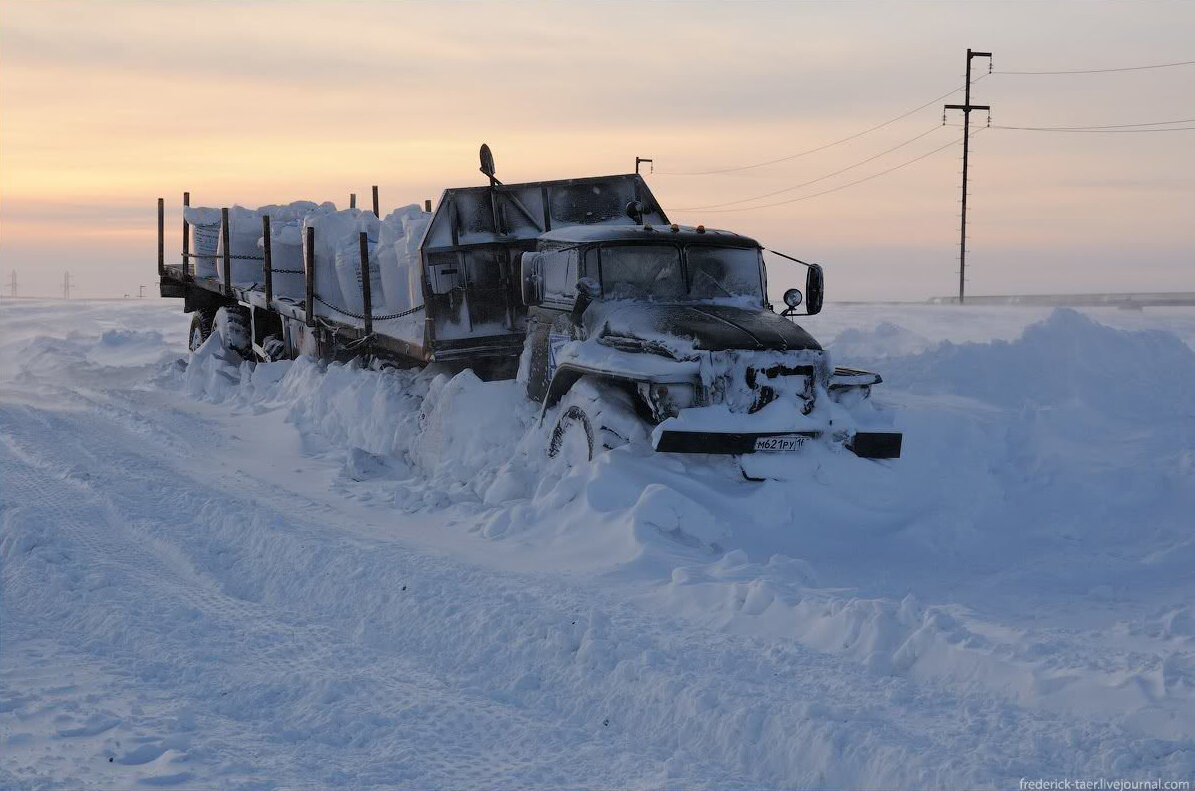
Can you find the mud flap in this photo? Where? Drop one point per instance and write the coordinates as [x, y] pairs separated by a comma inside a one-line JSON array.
[[875, 444]]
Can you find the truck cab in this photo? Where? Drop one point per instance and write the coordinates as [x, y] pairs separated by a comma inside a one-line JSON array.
[[671, 327]]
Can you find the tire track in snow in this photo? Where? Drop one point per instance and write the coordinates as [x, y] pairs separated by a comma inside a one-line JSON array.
[[860, 738]]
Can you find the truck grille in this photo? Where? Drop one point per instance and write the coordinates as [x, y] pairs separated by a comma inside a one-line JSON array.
[[772, 382]]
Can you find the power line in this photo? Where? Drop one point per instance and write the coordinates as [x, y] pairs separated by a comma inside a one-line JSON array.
[[1107, 126], [849, 183], [1105, 71], [871, 158], [1095, 130], [813, 150]]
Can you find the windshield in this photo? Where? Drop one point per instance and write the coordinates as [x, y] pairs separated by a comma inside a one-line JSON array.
[[724, 272], [642, 271], [653, 271]]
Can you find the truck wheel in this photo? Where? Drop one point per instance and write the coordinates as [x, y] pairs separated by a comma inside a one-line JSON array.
[[201, 327], [274, 349], [232, 323], [594, 417]]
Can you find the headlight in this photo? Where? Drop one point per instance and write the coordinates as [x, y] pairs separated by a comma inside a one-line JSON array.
[[667, 399]]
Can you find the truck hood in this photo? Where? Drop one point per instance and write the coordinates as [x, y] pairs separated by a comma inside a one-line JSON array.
[[702, 327]]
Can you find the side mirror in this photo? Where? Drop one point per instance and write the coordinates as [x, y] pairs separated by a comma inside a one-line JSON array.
[[588, 289], [634, 210], [815, 289], [532, 276]]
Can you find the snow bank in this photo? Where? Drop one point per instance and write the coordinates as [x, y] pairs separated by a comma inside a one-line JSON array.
[[884, 340], [1067, 360], [374, 577], [991, 507]]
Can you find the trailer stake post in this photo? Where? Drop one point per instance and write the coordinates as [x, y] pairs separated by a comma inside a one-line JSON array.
[[227, 252], [186, 236], [309, 302], [267, 263], [161, 237], [427, 205], [366, 294], [375, 201]]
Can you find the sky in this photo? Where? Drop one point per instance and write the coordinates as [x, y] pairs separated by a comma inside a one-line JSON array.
[[105, 106]]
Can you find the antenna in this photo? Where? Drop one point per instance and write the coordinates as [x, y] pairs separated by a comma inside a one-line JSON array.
[[487, 164]]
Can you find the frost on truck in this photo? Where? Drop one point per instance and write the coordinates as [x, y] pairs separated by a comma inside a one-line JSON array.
[[628, 329], [665, 335], [472, 248]]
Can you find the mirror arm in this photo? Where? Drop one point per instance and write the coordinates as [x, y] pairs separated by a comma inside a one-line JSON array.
[[790, 258]]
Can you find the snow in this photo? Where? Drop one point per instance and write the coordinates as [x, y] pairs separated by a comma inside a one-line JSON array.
[[298, 574]]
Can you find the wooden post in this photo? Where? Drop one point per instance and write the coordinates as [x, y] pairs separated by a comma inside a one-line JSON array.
[[267, 263], [352, 200], [366, 295], [427, 205], [161, 237], [375, 201], [227, 252], [186, 236], [309, 304]]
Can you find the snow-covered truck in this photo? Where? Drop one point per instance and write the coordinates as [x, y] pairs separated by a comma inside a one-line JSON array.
[[624, 326]]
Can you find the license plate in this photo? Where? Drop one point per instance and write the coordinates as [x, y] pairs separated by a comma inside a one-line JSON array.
[[781, 444]]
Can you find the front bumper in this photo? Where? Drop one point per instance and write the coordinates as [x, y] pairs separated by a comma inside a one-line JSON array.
[[865, 444]]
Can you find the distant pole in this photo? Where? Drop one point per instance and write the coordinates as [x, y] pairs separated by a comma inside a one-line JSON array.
[[366, 295], [375, 201], [641, 160], [66, 284], [966, 107], [267, 262], [227, 252], [140, 292], [13, 286], [309, 297], [186, 236], [161, 237], [352, 200]]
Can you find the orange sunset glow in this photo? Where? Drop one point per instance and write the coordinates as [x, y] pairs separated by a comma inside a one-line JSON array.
[[106, 106]]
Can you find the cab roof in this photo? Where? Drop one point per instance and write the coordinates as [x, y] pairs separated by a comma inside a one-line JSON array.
[[646, 233]]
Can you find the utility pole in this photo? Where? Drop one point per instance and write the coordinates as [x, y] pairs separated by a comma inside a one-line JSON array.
[[13, 287], [966, 107], [66, 284]]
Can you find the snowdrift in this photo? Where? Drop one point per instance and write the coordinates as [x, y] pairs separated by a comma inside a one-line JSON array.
[[1046, 472], [372, 577]]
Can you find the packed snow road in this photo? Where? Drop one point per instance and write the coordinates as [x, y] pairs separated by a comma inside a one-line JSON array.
[[306, 575]]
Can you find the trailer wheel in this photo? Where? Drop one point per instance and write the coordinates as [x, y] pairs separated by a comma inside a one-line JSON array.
[[274, 349], [594, 417], [201, 328], [233, 325]]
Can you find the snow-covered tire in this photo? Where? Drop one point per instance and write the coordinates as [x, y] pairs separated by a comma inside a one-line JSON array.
[[232, 324], [593, 417], [274, 349], [201, 327]]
